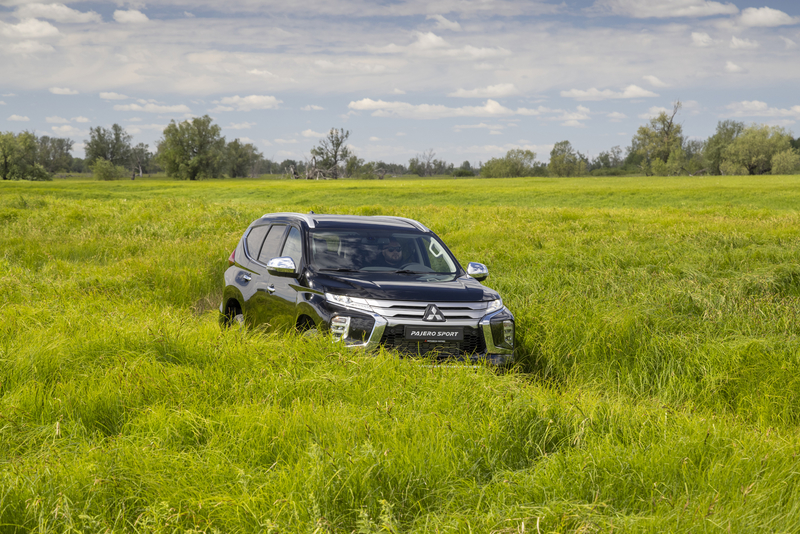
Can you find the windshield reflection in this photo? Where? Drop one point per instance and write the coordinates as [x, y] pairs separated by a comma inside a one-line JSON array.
[[377, 250]]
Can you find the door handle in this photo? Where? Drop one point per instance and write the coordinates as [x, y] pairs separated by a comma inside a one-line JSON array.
[[246, 277], [271, 288]]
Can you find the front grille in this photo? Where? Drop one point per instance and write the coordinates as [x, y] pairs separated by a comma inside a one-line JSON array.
[[394, 338], [398, 310]]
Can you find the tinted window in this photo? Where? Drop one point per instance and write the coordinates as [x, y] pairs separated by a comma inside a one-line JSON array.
[[254, 239], [294, 246], [270, 248]]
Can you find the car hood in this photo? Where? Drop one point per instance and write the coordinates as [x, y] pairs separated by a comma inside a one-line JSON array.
[[425, 288]]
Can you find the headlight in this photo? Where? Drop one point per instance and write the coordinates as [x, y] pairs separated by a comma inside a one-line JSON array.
[[494, 305], [348, 302]]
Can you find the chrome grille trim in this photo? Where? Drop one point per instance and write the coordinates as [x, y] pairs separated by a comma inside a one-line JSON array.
[[410, 312]]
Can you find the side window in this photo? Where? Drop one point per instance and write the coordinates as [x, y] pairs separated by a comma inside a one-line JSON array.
[[254, 239], [294, 246], [270, 248]]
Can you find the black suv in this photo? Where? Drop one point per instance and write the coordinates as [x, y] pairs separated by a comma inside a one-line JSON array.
[[370, 281]]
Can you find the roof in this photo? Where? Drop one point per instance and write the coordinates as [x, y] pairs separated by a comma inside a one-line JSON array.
[[314, 220]]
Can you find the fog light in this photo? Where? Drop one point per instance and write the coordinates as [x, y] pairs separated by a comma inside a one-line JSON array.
[[340, 327], [508, 333]]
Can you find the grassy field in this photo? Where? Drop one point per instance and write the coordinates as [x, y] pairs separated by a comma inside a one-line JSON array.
[[658, 388]]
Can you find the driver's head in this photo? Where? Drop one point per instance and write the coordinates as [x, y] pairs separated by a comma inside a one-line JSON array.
[[392, 253]]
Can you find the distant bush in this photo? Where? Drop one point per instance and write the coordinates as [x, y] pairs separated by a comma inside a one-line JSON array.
[[517, 162], [460, 173], [102, 169], [786, 162]]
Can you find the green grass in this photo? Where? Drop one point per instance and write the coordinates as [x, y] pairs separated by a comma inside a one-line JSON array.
[[657, 390]]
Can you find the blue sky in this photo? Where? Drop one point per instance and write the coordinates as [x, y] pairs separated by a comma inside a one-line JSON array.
[[469, 79]]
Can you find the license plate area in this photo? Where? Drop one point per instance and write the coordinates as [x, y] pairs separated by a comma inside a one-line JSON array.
[[434, 333]]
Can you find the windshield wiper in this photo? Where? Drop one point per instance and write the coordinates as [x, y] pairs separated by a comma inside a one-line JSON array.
[[341, 270], [406, 271]]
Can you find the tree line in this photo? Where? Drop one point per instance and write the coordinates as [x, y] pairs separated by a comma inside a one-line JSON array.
[[194, 149]]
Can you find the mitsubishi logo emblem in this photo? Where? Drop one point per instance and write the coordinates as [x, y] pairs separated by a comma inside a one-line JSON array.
[[433, 314]]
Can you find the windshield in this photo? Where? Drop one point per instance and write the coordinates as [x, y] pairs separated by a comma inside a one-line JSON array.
[[379, 250]]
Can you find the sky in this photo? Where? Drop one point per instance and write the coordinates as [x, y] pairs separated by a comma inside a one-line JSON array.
[[469, 79]]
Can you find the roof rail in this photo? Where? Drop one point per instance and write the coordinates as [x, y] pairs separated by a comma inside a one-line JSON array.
[[418, 225], [307, 218]]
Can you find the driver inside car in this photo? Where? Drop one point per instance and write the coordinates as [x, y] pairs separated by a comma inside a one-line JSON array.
[[391, 254]]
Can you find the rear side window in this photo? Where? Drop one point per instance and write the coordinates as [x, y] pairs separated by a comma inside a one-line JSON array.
[[254, 239], [293, 247], [274, 239]]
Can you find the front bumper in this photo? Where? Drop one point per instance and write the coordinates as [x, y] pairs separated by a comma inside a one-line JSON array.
[[492, 346]]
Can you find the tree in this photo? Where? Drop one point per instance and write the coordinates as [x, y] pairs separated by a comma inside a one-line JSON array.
[[754, 149], [242, 159], [141, 159], [715, 146], [660, 137], [53, 153], [112, 144], [332, 150], [517, 162], [192, 149], [564, 161], [18, 158]]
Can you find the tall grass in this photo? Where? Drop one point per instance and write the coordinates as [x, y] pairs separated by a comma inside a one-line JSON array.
[[657, 388]]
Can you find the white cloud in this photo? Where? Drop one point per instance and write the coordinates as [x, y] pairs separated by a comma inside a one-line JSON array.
[[616, 116], [444, 24], [67, 130], [756, 108], [153, 108], [18, 118], [432, 46], [139, 128], [381, 108], [632, 91], [262, 73], [241, 126], [789, 43], [31, 47], [766, 17], [57, 120], [373, 138], [80, 119], [701, 39], [653, 112], [312, 133], [730, 66], [246, 103], [286, 141], [655, 82], [63, 91], [493, 91], [574, 118], [8, 94], [57, 12], [189, 15], [398, 92], [28, 29], [113, 96], [2, 103], [664, 8], [130, 16], [482, 125], [312, 107], [743, 44]]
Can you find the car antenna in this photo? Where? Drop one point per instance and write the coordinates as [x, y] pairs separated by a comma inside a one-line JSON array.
[[311, 212]]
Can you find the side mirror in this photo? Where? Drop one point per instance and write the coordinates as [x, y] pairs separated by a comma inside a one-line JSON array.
[[478, 271], [283, 266]]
